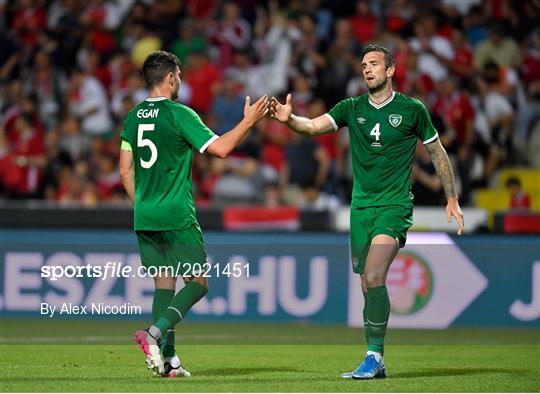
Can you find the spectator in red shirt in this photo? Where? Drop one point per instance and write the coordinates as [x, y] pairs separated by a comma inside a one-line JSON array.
[[201, 9], [99, 17], [203, 78], [275, 136], [22, 168], [398, 16], [531, 65], [28, 21], [364, 23], [519, 198], [402, 76], [95, 67], [108, 177], [456, 109], [231, 33], [462, 63]]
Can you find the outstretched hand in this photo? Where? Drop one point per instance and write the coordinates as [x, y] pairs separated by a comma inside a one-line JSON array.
[[281, 112], [453, 210], [254, 113]]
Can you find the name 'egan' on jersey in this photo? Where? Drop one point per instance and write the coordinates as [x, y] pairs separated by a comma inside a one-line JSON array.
[[162, 134], [383, 141]]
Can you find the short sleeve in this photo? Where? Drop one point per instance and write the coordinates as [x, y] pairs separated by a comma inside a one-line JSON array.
[[195, 131], [338, 114], [424, 129]]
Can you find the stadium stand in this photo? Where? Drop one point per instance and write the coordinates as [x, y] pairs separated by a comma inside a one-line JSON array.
[[69, 74]]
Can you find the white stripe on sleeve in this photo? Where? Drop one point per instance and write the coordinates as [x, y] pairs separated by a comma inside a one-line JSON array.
[[207, 144], [332, 121]]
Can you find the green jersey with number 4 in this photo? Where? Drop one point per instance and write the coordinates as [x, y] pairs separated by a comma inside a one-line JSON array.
[[162, 134], [383, 140]]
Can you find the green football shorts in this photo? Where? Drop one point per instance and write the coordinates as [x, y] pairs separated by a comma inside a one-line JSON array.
[[366, 223], [182, 252]]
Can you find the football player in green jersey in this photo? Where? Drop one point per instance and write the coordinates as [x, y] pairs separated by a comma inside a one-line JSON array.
[[156, 157], [383, 127]]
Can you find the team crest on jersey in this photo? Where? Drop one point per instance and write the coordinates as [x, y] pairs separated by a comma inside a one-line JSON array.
[[395, 120]]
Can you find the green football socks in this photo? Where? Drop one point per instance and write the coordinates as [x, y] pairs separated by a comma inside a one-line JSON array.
[[168, 347], [162, 299], [364, 312], [180, 305], [377, 313]]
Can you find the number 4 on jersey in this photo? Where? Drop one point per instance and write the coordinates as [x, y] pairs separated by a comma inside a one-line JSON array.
[[375, 131], [142, 142]]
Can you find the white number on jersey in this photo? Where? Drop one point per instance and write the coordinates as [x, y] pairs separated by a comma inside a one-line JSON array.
[[375, 131], [142, 142]]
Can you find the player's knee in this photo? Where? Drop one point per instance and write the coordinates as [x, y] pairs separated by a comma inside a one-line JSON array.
[[165, 282], [374, 278], [363, 283]]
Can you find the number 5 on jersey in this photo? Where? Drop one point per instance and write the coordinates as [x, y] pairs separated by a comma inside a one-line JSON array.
[[142, 142]]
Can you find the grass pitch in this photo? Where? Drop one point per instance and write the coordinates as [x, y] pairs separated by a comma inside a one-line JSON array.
[[83, 356]]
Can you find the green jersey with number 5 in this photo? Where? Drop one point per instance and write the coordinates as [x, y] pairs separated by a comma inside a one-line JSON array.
[[162, 134], [383, 140]]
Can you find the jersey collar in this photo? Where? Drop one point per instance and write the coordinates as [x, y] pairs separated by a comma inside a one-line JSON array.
[[388, 100], [156, 98]]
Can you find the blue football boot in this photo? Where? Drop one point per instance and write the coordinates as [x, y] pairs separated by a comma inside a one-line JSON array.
[[369, 369]]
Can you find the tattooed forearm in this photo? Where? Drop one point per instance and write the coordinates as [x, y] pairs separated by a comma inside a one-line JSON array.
[[443, 167]]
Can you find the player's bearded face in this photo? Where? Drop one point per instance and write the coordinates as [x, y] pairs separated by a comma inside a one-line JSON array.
[[376, 83], [374, 71]]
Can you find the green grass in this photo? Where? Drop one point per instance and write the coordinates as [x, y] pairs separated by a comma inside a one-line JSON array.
[[276, 357]]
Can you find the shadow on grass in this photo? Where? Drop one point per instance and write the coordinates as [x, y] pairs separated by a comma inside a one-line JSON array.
[[446, 372], [235, 371], [214, 372]]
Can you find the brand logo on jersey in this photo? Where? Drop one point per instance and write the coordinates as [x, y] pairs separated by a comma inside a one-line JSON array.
[[395, 120], [410, 284], [360, 120], [355, 261]]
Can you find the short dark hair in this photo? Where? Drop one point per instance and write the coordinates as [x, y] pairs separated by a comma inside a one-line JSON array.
[[513, 181], [157, 65], [388, 57]]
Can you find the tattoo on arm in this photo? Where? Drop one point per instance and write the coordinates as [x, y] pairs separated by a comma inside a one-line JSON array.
[[443, 167]]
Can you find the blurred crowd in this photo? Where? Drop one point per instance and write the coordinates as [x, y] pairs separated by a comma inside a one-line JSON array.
[[69, 73]]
